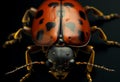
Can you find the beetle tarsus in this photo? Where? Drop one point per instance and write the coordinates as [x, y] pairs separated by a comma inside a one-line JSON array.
[[113, 43], [13, 38], [89, 77], [25, 77], [10, 42], [111, 16]]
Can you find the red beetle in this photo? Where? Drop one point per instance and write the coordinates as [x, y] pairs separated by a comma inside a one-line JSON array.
[[60, 28]]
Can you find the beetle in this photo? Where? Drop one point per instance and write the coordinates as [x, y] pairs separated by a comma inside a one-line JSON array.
[[60, 28]]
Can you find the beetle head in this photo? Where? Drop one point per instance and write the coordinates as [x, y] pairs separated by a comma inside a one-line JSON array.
[[60, 60]]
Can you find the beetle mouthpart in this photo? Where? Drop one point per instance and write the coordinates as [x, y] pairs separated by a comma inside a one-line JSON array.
[[61, 75]]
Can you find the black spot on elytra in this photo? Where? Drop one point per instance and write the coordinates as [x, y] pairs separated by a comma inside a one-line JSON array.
[[69, 38], [50, 25], [68, 4], [81, 36], [53, 4], [39, 14], [41, 21], [82, 14], [40, 35], [81, 22]]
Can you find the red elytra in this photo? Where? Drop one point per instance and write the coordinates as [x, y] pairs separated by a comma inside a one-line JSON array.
[[67, 18]]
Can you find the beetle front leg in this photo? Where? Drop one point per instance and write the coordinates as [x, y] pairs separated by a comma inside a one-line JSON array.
[[30, 49], [91, 61], [104, 37], [89, 50], [28, 60]]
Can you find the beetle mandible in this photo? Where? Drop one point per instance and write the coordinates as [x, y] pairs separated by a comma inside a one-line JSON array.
[[60, 28]]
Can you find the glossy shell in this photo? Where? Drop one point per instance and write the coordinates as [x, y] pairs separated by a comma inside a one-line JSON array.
[[67, 18]]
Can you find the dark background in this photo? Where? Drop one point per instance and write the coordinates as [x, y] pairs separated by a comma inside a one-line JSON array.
[[13, 56]]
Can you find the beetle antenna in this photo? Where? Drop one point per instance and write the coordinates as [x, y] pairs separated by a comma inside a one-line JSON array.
[[95, 65], [18, 68]]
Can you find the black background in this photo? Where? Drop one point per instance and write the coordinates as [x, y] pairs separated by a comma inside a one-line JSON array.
[[13, 56]]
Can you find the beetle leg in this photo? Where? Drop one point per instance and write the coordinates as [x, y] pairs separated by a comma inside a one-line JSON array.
[[15, 37], [27, 18], [91, 60], [89, 50], [98, 17], [27, 57], [111, 16], [104, 37], [98, 13], [95, 11], [26, 76], [30, 49]]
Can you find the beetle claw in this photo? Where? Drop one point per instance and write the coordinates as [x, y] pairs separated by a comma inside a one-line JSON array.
[[10, 42], [115, 16], [117, 44]]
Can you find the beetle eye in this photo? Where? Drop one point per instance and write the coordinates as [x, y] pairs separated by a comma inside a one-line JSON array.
[[49, 63], [49, 60], [71, 61]]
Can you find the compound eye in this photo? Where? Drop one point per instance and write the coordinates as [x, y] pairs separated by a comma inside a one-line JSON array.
[[49, 60], [72, 61], [49, 63]]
